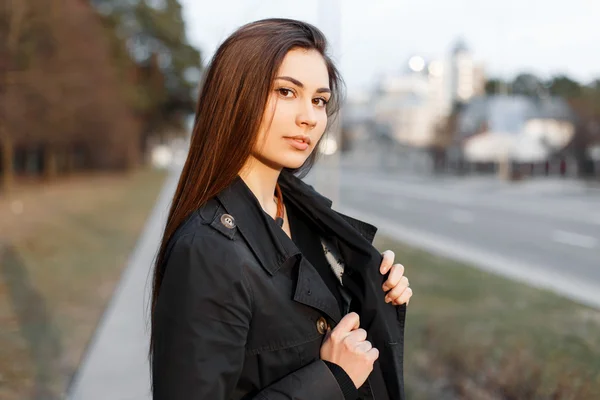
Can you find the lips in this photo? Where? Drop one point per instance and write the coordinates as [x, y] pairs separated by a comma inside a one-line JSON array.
[[300, 138], [298, 142]]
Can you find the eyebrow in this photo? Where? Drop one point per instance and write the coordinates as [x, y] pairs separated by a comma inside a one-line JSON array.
[[301, 85]]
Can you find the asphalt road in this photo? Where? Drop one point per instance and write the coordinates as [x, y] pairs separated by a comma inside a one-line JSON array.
[[544, 232]]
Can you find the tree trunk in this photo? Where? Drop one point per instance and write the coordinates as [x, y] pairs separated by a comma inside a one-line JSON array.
[[130, 160], [69, 160], [50, 165], [6, 157]]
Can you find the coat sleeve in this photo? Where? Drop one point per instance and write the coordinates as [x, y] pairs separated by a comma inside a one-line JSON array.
[[202, 317]]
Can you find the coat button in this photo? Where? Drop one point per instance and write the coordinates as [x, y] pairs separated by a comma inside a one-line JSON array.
[[228, 221], [322, 326]]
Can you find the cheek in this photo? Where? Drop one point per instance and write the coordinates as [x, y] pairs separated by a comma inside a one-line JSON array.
[[323, 120], [283, 118], [321, 127], [277, 121], [267, 125]]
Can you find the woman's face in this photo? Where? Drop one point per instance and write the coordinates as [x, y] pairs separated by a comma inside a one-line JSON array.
[[295, 116]]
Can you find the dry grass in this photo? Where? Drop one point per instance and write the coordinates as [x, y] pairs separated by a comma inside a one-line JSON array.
[[474, 335], [60, 259]]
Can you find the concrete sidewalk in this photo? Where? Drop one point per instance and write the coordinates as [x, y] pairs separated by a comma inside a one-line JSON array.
[[115, 365]]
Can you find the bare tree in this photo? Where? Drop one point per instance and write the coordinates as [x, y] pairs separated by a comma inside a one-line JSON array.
[[62, 94]]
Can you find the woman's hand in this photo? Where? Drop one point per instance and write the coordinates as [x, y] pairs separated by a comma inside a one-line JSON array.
[[396, 284], [347, 346]]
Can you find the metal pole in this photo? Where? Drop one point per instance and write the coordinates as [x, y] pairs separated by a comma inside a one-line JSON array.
[[328, 173]]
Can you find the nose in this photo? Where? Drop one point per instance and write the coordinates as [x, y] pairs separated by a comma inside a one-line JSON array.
[[306, 117]]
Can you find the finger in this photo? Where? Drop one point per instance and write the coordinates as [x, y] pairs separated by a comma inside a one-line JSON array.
[[387, 262], [404, 297], [350, 322], [364, 346], [397, 290], [358, 335], [327, 334], [373, 354], [394, 277]]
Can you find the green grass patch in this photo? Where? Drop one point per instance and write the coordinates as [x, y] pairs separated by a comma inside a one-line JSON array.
[[474, 335], [60, 260]]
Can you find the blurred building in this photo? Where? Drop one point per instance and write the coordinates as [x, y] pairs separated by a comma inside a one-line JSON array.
[[357, 119], [517, 128], [413, 103], [406, 106], [467, 79]]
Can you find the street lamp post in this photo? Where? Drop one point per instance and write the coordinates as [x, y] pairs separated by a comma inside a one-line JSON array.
[[327, 174]]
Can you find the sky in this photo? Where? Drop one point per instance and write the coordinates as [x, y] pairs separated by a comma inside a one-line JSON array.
[[377, 37]]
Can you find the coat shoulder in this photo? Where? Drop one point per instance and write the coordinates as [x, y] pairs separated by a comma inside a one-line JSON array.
[[199, 257], [207, 230], [206, 221]]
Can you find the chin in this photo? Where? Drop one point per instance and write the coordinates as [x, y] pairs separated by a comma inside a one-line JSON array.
[[284, 159], [295, 159], [292, 164]]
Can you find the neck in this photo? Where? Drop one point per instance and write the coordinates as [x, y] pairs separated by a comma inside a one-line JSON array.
[[261, 180]]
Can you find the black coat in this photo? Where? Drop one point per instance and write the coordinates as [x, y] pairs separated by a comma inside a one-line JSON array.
[[240, 313]]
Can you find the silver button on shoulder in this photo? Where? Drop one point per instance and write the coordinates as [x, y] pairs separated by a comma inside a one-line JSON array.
[[228, 221]]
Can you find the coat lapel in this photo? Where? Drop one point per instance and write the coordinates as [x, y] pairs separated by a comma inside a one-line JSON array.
[[354, 237], [383, 321], [258, 229], [274, 249], [313, 292]]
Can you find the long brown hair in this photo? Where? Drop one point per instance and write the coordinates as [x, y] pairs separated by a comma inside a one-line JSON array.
[[230, 109]]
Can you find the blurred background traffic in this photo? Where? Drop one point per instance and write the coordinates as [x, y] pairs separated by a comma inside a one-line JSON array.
[[470, 135]]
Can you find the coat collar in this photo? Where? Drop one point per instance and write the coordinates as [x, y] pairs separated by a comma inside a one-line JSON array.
[[354, 237], [256, 226], [263, 236]]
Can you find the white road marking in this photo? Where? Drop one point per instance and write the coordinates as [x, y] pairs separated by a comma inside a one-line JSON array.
[[462, 216], [574, 239]]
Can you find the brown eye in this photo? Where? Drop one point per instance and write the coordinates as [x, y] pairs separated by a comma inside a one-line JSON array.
[[321, 102], [285, 92]]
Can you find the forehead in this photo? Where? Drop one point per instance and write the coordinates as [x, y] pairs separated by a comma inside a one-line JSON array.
[[307, 66]]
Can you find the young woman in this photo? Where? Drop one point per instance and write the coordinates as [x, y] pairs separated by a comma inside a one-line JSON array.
[[261, 290]]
